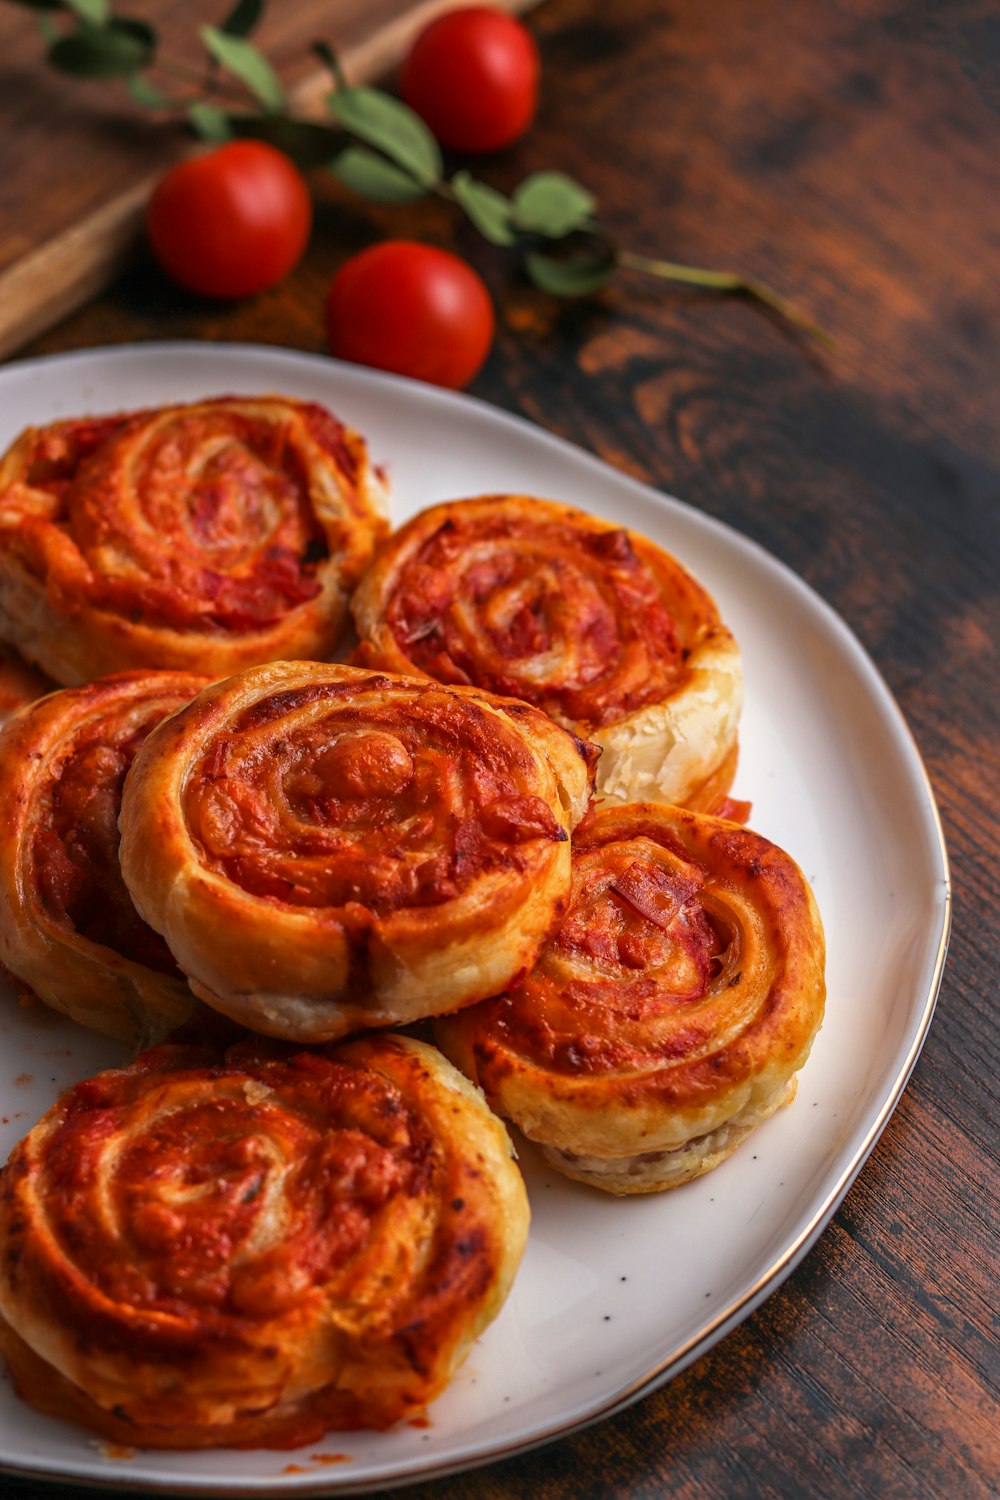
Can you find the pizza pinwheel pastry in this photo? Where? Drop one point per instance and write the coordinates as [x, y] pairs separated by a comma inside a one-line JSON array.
[[203, 537], [68, 929], [593, 624], [325, 848], [249, 1248], [671, 1011]]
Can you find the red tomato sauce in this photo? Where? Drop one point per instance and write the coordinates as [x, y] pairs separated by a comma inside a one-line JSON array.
[[75, 847], [364, 808], [634, 955], [571, 620], [201, 1154], [192, 518]]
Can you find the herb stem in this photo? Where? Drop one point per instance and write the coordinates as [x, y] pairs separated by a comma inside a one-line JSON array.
[[726, 281]]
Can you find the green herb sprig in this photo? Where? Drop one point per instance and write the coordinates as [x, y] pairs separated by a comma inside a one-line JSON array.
[[373, 143]]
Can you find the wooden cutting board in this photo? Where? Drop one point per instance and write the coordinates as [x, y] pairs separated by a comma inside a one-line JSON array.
[[78, 159]]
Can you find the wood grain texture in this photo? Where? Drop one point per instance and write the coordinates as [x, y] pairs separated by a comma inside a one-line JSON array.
[[78, 161], [846, 150]]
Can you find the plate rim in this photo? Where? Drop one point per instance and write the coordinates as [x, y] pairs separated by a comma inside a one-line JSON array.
[[782, 1265]]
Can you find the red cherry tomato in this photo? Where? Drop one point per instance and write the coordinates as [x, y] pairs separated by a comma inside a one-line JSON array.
[[413, 310], [232, 222], [472, 76]]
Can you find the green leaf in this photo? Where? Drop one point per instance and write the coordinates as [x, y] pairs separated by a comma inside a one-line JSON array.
[[141, 91], [247, 64], [243, 17], [389, 125], [572, 276], [369, 174], [489, 210], [552, 204], [48, 28], [330, 61], [99, 54], [306, 142], [210, 122], [94, 12]]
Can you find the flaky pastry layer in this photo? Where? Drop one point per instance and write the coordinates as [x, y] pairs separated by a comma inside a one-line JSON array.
[[668, 1014], [592, 623], [653, 1171], [325, 848], [248, 1248], [201, 537]]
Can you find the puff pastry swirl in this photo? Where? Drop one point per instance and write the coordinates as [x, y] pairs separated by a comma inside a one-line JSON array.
[[251, 1248], [595, 625], [202, 537], [671, 1011], [325, 848], [68, 928]]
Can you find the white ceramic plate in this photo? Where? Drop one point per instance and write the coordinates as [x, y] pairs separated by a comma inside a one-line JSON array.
[[614, 1296]]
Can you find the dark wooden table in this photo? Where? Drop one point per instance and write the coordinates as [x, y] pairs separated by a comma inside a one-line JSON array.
[[847, 150]]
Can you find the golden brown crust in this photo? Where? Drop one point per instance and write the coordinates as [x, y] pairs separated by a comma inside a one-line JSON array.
[[325, 848], [250, 1248], [202, 537], [670, 1012], [595, 625], [68, 928]]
